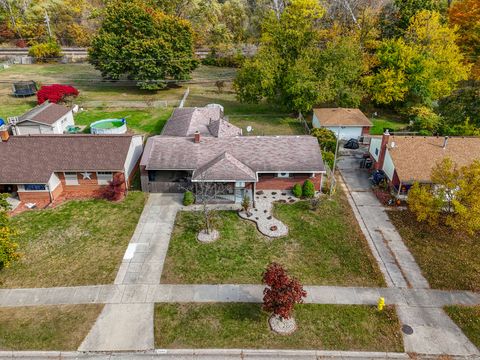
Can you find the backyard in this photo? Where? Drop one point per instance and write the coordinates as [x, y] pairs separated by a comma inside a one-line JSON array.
[[323, 247], [77, 243], [448, 258], [46, 327], [330, 327]]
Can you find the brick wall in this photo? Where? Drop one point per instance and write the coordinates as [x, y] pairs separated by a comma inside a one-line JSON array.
[[366, 130], [270, 182], [33, 196], [85, 188]]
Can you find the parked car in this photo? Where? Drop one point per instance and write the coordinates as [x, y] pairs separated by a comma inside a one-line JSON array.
[[352, 144]]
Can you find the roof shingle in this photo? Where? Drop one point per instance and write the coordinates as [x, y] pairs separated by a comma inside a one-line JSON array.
[[33, 158], [341, 117], [47, 113]]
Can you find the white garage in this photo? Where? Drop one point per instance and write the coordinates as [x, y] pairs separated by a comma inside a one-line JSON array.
[[345, 123]]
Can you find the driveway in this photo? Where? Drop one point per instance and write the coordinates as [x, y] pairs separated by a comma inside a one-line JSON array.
[[128, 326]]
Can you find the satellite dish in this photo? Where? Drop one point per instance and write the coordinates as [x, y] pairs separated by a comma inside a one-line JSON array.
[[249, 129]]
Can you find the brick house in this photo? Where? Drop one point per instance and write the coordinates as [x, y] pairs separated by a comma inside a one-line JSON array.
[[345, 123], [409, 159], [182, 157], [43, 168], [44, 119]]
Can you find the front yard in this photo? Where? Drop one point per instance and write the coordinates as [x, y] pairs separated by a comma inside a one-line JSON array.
[[46, 327], [324, 247], [329, 327], [468, 319], [448, 259], [78, 243]]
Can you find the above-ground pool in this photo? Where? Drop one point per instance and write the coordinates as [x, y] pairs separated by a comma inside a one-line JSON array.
[[109, 126]]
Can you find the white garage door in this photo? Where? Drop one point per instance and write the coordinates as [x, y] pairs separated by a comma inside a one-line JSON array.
[[347, 133]]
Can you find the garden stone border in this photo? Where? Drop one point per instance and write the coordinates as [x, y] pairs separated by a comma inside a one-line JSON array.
[[205, 238], [282, 326], [262, 215]]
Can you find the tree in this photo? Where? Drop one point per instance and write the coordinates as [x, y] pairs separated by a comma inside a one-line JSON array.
[[115, 189], [326, 138], [424, 120], [461, 107], [425, 66], [8, 247], [143, 44], [453, 197], [465, 14], [282, 293], [56, 93], [298, 68]]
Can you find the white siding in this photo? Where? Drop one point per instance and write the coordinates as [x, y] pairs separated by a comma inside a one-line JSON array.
[[388, 166], [315, 121], [134, 154], [346, 133], [53, 182], [61, 124], [28, 128], [374, 149]]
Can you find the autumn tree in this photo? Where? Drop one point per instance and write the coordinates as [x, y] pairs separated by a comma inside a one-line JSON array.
[[465, 14], [142, 44], [452, 198], [461, 110], [282, 291], [296, 67], [420, 68], [8, 247]]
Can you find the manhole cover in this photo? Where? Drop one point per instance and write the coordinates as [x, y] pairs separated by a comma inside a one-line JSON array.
[[407, 329]]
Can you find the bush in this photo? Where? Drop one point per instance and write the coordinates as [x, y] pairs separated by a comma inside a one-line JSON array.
[[45, 52], [56, 93], [188, 198], [115, 189], [297, 190], [328, 158], [308, 189], [424, 120], [326, 138], [246, 203]]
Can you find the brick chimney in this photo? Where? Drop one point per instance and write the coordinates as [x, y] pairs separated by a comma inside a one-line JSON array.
[[383, 150], [4, 134], [196, 138]]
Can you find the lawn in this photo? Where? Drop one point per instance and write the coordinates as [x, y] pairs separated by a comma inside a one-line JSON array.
[[391, 123], [448, 259], [268, 124], [77, 243], [46, 327], [468, 319], [330, 327], [325, 247], [148, 121]]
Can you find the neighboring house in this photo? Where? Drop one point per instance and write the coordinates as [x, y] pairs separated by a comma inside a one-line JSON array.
[[409, 159], [243, 164], [45, 167], [345, 123], [208, 121], [44, 119]]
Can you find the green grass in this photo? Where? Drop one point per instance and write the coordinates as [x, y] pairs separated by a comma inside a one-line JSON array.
[[448, 258], [268, 125], [149, 121], [46, 327], [330, 327], [77, 243], [468, 319], [393, 124], [324, 247]]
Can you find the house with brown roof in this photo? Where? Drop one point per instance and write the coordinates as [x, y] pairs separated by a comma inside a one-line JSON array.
[[43, 168], [345, 123], [409, 159], [46, 118]]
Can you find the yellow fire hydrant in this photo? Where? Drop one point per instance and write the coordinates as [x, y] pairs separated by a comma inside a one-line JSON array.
[[381, 304]]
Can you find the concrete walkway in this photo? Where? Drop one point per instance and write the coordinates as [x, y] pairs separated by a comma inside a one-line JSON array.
[[150, 294], [433, 331], [128, 325]]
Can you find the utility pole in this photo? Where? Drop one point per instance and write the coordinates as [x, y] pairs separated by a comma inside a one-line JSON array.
[[47, 21]]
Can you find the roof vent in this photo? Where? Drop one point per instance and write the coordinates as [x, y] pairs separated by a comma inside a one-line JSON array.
[[445, 142], [196, 138], [393, 144]]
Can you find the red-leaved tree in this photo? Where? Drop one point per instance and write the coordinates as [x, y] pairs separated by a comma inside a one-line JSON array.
[[115, 188], [56, 93], [282, 293]]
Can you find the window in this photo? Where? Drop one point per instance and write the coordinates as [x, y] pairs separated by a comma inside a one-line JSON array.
[[104, 177], [283, 175], [35, 187], [240, 184], [71, 178]]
